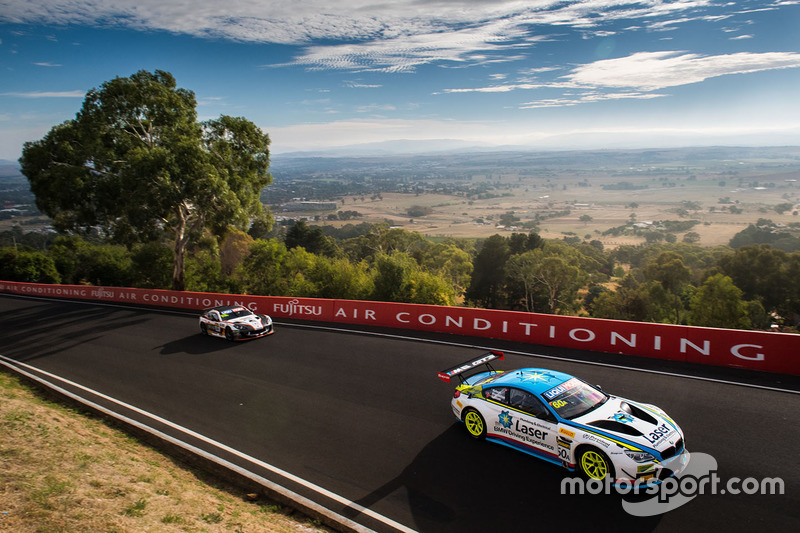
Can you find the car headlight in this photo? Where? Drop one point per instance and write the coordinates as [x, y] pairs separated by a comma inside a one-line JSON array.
[[241, 327], [639, 456]]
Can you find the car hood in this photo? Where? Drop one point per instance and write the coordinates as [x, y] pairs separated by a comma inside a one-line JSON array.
[[644, 425], [254, 321]]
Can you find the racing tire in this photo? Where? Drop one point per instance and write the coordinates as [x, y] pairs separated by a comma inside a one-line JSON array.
[[594, 464], [475, 424], [228, 334], [203, 329]]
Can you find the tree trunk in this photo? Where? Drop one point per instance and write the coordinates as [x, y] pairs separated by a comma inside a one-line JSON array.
[[178, 270], [179, 251]]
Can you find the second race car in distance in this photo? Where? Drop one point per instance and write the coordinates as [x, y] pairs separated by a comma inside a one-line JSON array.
[[235, 323], [559, 418]]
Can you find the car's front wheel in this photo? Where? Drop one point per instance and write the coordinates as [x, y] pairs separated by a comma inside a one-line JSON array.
[[594, 464], [476, 425], [229, 334]]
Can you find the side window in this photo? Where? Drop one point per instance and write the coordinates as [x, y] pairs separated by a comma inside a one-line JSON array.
[[497, 394], [213, 315], [525, 401]]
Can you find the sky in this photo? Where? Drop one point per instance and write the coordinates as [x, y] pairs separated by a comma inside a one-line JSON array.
[[321, 74]]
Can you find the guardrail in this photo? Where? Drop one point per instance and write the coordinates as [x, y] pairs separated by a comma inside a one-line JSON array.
[[753, 350]]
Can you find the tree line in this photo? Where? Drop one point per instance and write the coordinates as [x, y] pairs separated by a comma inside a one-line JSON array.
[[751, 287]]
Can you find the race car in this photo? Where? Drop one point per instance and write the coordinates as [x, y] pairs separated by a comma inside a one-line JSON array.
[[235, 323], [559, 418]]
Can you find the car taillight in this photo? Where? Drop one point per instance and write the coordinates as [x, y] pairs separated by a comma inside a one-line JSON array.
[[457, 393]]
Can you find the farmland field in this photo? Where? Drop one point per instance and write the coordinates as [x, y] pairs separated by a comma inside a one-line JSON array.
[[576, 196]]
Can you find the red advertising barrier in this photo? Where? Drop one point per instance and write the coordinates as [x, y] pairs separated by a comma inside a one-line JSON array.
[[754, 350]]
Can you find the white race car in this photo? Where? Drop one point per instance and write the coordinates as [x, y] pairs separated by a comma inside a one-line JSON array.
[[563, 420], [235, 323]]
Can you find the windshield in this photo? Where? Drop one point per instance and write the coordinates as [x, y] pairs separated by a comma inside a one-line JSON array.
[[235, 313], [574, 398]]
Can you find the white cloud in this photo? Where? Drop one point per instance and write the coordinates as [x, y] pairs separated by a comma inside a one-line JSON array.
[[589, 97], [649, 71], [374, 108], [639, 74], [502, 88], [474, 44], [356, 85], [393, 36]]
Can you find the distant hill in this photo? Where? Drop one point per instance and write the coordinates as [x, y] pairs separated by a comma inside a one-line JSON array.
[[371, 160], [392, 148], [10, 172]]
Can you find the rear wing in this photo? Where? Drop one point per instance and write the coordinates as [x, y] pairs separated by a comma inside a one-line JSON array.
[[458, 370]]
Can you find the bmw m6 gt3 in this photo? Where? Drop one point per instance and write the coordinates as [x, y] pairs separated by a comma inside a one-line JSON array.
[[559, 418]]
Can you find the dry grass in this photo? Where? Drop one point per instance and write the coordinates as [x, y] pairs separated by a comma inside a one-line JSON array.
[[453, 216], [64, 472]]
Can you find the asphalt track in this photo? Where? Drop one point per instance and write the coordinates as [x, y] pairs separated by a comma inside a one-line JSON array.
[[360, 424]]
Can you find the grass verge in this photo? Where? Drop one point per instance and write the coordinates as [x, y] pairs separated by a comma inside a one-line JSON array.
[[62, 471]]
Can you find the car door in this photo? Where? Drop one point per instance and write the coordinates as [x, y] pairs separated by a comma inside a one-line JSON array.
[[216, 321], [518, 417]]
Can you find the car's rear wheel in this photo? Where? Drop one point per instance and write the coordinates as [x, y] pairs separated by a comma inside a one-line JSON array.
[[594, 464], [203, 328], [229, 334], [476, 425]]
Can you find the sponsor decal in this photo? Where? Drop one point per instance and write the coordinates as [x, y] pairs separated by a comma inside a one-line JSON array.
[[294, 308], [659, 433], [540, 425], [536, 376], [621, 417], [472, 364], [568, 433], [507, 424], [531, 431], [558, 389], [597, 440]]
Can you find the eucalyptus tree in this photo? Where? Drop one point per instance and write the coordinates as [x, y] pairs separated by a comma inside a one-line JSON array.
[[718, 303], [673, 275], [488, 274], [523, 270], [136, 164], [768, 275]]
